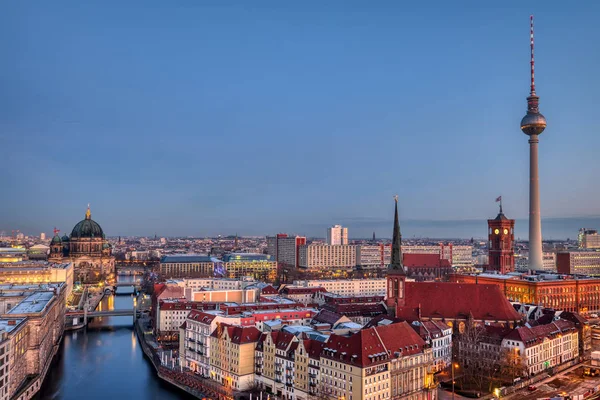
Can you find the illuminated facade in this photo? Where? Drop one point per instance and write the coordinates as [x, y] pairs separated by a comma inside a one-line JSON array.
[[578, 262], [337, 235], [577, 295], [501, 236], [88, 250], [326, 257], [588, 239], [372, 256], [25, 272], [187, 266], [258, 266]]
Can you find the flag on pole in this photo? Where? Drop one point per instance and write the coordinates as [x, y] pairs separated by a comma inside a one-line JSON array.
[[499, 198]]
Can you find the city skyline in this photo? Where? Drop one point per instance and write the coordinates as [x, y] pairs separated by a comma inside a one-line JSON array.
[[163, 131]]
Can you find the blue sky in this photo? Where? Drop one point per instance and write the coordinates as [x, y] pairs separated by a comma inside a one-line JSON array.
[[215, 117]]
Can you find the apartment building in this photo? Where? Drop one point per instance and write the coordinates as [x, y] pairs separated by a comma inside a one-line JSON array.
[[439, 334], [285, 249], [232, 355], [327, 257], [301, 294], [458, 255], [337, 235], [382, 362], [348, 287], [187, 266], [195, 349], [578, 262], [172, 313], [373, 256], [543, 347]]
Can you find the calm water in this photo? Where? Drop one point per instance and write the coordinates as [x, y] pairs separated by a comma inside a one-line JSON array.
[[105, 361]]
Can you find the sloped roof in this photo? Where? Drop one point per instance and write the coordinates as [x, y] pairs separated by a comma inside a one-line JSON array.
[[375, 345], [536, 334], [239, 334], [202, 317], [422, 260], [327, 317], [456, 300]]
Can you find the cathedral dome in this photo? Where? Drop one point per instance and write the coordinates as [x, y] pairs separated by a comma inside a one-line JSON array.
[[55, 240], [65, 238], [87, 228]]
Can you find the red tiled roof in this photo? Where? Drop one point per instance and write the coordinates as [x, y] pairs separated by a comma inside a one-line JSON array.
[[418, 260], [355, 310], [171, 292], [302, 290], [239, 334], [202, 317], [313, 348], [455, 300], [327, 317], [282, 340], [373, 346], [535, 335], [269, 290]]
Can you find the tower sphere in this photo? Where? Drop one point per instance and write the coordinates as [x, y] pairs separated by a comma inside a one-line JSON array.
[[533, 123]]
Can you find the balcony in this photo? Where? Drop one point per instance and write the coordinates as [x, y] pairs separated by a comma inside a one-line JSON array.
[[288, 367], [313, 384], [277, 380], [312, 375], [192, 340]]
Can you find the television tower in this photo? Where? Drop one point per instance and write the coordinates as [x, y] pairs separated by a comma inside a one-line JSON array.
[[533, 124]]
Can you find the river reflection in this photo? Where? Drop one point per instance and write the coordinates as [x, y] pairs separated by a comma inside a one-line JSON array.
[[105, 361]]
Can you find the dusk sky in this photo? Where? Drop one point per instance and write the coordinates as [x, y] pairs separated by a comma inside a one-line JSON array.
[[217, 117]]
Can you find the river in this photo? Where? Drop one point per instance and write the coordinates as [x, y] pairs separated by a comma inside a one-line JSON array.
[[105, 361]]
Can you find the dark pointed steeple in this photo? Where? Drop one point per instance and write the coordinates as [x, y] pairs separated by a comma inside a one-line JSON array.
[[396, 262]]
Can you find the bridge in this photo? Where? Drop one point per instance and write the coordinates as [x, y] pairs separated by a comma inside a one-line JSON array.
[[108, 313]]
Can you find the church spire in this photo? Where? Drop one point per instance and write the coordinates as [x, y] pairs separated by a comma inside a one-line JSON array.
[[396, 262]]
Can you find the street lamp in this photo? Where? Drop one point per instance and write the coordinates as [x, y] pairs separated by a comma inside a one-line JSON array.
[[454, 365]]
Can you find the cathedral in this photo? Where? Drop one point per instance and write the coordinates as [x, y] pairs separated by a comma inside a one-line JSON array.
[[88, 250]]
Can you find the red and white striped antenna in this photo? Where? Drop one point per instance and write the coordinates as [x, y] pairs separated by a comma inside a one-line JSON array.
[[532, 59]]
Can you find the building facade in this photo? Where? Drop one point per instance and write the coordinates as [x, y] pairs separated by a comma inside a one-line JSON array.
[[88, 250], [285, 249], [501, 239], [578, 262], [348, 287], [187, 266], [326, 257], [588, 239], [458, 255], [373, 256], [337, 235], [262, 267]]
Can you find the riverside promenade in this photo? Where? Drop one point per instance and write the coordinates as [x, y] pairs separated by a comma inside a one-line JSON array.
[[187, 381]]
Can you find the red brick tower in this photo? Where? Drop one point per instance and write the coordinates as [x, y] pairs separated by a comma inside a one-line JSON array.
[[501, 235]]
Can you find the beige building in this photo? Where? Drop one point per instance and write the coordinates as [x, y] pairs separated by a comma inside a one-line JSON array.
[[34, 329], [225, 296], [588, 239], [348, 287], [37, 272], [232, 355], [372, 256], [383, 362], [258, 266], [458, 255], [337, 235], [195, 349], [544, 346], [326, 257]]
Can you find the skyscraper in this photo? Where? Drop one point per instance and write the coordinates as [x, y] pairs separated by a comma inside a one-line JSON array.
[[533, 124], [337, 235]]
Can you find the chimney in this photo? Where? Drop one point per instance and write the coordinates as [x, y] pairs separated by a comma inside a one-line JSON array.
[[12, 322]]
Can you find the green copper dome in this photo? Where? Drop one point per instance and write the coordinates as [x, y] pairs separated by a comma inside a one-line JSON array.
[[87, 228], [55, 240], [65, 238]]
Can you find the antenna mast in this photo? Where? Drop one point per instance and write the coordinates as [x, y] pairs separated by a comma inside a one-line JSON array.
[[532, 59]]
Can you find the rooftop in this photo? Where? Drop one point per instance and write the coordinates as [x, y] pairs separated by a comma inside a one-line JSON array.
[[34, 303], [9, 324], [187, 258]]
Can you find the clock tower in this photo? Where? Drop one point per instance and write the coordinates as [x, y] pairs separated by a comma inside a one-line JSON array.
[[501, 235]]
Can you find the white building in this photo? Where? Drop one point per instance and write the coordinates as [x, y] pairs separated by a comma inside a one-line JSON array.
[[458, 255], [337, 235], [348, 287], [195, 344], [322, 256], [371, 256], [544, 346], [439, 335]]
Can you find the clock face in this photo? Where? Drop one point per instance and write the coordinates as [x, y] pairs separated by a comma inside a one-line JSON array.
[[505, 231], [497, 231]]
